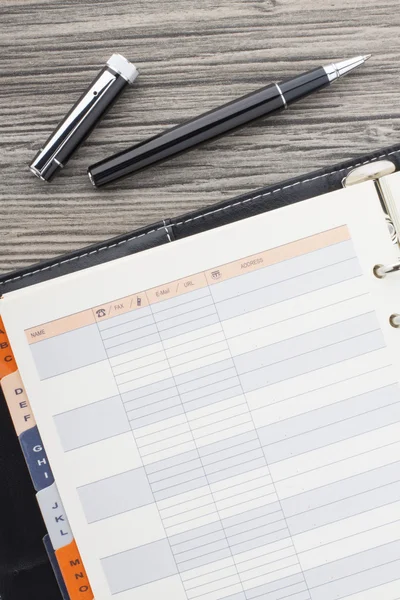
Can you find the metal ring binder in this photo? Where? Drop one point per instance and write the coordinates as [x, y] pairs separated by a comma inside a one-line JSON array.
[[373, 172], [369, 172], [380, 271]]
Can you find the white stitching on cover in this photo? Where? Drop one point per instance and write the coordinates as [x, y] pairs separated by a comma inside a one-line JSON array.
[[285, 187], [206, 214], [166, 231]]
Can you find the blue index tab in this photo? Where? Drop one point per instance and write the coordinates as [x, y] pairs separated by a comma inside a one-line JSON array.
[[54, 516], [56, 567], [36, 458]]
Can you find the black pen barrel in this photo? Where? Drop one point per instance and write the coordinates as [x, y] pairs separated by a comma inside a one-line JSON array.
[[178, 139], [205, 127], [298, 87]]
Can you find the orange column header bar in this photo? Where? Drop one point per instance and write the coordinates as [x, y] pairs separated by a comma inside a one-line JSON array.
[[53, 328], [277, 255], [188, 284]]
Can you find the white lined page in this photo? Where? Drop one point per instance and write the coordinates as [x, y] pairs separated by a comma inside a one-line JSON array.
[[219, 396]]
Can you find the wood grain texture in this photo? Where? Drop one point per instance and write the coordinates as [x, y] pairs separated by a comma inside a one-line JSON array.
[[193, 56]]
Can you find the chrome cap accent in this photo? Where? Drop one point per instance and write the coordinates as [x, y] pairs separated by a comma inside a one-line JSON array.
[[123, 67], [281, 95], [336, 70]]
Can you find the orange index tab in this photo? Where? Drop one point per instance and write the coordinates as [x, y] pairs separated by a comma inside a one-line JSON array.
[[17, 402], [7, 360], [73, 572]]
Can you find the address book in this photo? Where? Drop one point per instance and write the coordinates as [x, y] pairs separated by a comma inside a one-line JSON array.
[[209, 408]]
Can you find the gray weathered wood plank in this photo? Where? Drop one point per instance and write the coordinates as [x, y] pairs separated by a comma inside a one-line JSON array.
[[192, 56]]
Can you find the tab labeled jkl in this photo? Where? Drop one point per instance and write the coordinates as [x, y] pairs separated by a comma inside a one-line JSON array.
[[54, 516]]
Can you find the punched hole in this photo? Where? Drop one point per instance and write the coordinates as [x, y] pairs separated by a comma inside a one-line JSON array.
[[378, 272]]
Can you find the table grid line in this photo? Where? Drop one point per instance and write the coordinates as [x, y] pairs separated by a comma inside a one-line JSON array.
[[155, 501], [255, 428], [222, 447], [212, 496]]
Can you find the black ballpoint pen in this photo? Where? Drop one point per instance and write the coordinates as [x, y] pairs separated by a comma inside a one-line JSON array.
[[223, 119]]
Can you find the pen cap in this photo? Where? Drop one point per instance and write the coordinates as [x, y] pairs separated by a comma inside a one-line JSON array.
[[83, 116]]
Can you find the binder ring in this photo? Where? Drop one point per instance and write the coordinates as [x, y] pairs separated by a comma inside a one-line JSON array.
[[394, 320], [380, 271]]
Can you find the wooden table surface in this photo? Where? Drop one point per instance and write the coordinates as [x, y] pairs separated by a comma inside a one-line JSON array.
[[193, 56]]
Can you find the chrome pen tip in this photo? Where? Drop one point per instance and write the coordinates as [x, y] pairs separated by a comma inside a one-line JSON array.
[[344, 67]]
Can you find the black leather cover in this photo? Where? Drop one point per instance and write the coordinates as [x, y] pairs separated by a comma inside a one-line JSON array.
[[24, 568]]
